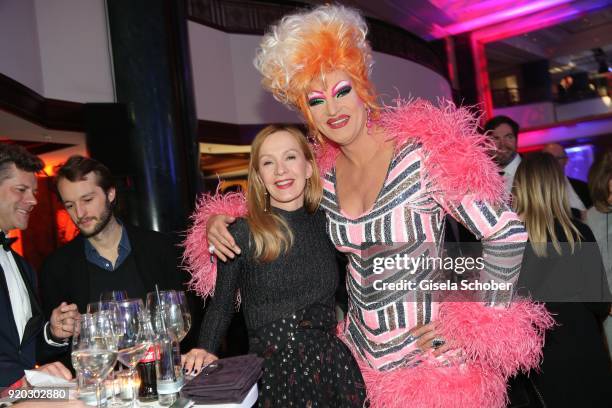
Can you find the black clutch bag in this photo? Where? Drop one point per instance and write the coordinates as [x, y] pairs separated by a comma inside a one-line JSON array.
[[227, 380]]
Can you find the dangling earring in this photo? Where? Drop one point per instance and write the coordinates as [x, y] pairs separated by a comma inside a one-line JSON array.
[[368, 118], [266, 202]]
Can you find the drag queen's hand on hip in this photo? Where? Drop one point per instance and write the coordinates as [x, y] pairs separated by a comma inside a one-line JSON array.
[[428, 338]]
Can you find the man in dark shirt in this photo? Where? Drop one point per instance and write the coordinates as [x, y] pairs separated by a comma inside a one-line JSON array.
[[107, 255]]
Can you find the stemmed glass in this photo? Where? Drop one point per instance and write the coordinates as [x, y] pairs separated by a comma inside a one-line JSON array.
[[172, 305], [133, 341], [116, 295], [94, 350], [112, 310]]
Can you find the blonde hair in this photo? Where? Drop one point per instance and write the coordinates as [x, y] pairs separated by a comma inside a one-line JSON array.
[[270, 233], [305, 46], [540, 199], [599, 177]]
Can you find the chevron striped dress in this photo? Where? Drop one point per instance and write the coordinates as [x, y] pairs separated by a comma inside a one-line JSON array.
[[407, 217]]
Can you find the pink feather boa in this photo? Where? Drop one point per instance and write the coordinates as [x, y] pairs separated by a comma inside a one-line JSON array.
[[196, 257], [456, 160]]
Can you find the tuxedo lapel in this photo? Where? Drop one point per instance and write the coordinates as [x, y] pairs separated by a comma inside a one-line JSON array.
[[9, 330], [28, 278], [33, 325]]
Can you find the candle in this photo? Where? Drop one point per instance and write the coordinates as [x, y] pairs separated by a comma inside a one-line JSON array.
[[127, 385]]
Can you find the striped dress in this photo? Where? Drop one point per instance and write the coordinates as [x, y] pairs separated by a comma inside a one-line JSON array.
[[407, 218]]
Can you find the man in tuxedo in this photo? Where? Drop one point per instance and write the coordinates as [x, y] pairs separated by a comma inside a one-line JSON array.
[[504, 133], [577, 191], [108, 254], [22, 319]]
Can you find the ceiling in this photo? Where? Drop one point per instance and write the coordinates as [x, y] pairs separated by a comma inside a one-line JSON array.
[[53, 146], [579, 25], [566, 46], [434, 19]]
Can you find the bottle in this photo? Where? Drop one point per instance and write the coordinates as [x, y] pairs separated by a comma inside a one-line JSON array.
[[170, 377], [147, 391]]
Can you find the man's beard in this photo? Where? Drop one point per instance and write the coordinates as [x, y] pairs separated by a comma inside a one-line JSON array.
[[100, 225]]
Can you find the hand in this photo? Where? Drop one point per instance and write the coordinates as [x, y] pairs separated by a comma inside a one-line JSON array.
[[62, 320], [197, 358], [219, 236], [56, 369], [426, 334]]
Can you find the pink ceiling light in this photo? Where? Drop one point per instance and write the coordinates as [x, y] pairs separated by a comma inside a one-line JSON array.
[[508, 10]]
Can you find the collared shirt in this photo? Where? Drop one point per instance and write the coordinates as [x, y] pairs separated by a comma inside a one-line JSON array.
[[124, 249], [509, 172], [18, 292]]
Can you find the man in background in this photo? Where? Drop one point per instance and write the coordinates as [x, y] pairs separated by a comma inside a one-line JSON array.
[[504, 133], [577, 191]]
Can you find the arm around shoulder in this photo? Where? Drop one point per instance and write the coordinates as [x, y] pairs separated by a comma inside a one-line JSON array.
[[197, 259]]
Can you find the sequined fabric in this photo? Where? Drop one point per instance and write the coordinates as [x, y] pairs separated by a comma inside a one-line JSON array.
[[305, 364]]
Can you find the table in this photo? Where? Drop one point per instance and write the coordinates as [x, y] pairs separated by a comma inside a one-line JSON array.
[[249, 401]]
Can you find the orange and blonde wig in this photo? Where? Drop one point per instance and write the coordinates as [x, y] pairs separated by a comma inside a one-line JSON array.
[[305, 46]]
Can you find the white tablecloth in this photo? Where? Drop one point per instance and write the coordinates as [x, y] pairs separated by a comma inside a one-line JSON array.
[[249, 401]]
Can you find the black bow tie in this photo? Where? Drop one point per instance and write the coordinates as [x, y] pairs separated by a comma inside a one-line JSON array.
[[6, 242]]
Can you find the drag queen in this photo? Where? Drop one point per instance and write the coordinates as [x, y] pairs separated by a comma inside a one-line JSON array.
[[390, 175]]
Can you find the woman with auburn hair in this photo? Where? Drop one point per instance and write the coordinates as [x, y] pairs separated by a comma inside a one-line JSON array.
[[287, 277], [563, 268], [598, 219], [390, 175]]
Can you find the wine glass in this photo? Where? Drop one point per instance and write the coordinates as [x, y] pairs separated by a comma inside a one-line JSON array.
[[94, 351], [172, 305], [116, 295], [133, 341], [112, 310], [186, 313]]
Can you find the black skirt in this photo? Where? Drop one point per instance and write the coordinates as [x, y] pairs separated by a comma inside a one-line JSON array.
[[305, 364]]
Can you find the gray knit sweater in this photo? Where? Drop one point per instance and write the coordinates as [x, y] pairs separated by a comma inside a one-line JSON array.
[[306, 274]]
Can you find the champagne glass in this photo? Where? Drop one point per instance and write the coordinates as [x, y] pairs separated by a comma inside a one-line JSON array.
[[93, 349], [112, 310], [172, 305], [133, 341]]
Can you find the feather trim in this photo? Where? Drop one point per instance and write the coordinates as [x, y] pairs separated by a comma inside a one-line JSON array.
[[508, 340], [196, 258], [456, 162]]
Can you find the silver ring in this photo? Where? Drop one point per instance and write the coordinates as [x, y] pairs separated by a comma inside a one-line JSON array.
[[211, 249], [437, 343]]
